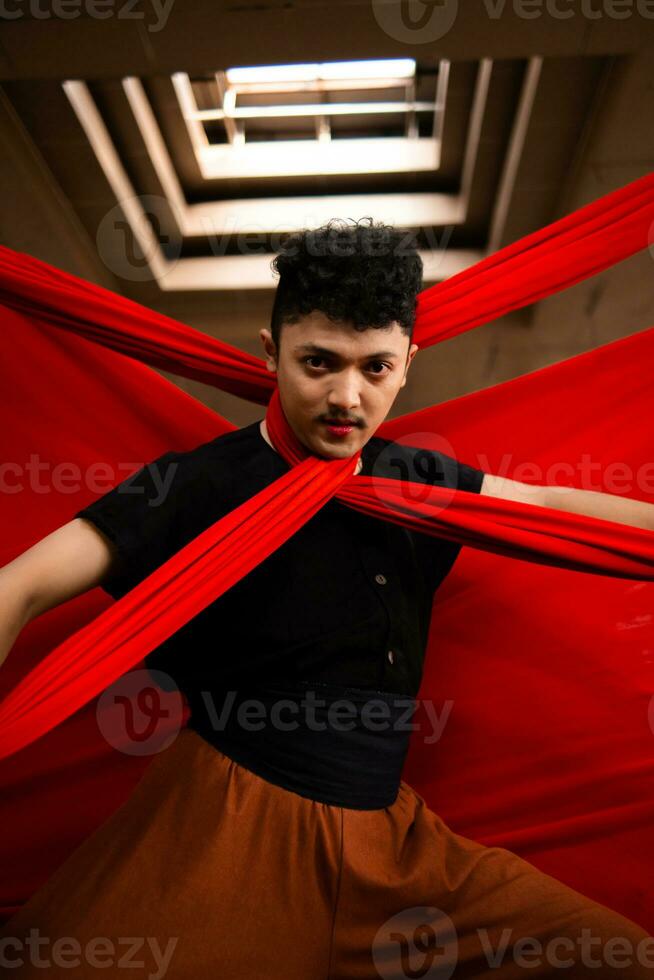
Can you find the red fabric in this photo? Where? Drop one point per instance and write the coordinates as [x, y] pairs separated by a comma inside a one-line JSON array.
[[551, 684], [89, 660]]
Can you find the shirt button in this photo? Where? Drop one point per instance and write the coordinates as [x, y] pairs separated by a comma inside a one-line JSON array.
[[380, 579], [391, 657]]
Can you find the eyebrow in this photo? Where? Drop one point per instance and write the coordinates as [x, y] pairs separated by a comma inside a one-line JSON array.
[[315, 349]]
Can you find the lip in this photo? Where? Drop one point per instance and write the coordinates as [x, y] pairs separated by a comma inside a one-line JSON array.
[[340, 428]]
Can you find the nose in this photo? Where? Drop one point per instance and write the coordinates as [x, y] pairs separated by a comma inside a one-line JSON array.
[[344, 395]]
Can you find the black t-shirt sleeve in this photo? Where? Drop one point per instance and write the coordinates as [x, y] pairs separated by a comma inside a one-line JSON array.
[[441, 554], [468, 477], [148, 517], [432, 466], [413, 464]]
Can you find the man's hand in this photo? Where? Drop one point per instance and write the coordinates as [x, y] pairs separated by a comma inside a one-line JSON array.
[[605, 506]]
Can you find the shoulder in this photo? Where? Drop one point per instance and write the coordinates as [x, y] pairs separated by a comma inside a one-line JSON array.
[[416, 464], [191, 480], [169, 501], [397, 460], [235, 444], [218, 459]]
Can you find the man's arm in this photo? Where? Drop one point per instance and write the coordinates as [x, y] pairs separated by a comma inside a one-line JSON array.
[[72, 559], [605, 506]]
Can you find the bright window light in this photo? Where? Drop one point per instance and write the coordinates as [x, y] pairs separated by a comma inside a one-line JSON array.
[[330, 70]]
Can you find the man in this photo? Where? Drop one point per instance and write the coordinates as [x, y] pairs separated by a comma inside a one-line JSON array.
[[275, 837]]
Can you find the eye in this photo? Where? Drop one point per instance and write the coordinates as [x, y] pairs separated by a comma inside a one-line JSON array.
[[380, 364], [377, 368], [312, 357]]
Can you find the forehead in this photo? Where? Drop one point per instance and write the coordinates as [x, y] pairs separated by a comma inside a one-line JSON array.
[[341, 338]]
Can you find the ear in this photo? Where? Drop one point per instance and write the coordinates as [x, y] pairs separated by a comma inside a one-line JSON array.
[[413, 349], [269, 348]]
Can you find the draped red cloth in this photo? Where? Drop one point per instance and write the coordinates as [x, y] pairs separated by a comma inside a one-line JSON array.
[[542, 639]]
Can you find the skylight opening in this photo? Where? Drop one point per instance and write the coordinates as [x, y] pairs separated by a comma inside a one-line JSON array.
[[381, 115], [325, 71]]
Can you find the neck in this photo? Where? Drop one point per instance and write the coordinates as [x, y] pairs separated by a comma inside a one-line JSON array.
[[264, 433]]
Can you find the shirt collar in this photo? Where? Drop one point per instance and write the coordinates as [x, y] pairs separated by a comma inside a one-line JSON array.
[[266, 461]]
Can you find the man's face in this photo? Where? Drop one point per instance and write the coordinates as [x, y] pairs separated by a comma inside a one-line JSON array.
[[328, 371]]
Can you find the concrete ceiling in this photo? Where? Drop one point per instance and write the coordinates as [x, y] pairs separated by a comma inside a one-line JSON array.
[[163, 36]]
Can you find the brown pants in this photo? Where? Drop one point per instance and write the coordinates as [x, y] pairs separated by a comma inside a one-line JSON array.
[[208, 872]]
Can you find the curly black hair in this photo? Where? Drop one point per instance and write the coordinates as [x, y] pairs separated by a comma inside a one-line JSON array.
[[365, 273]]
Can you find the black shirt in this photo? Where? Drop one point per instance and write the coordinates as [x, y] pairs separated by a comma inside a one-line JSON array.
[[346, 600]]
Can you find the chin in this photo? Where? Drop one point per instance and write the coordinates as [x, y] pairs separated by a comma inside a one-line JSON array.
[[338, 452], [341, 453], [332, 450]]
